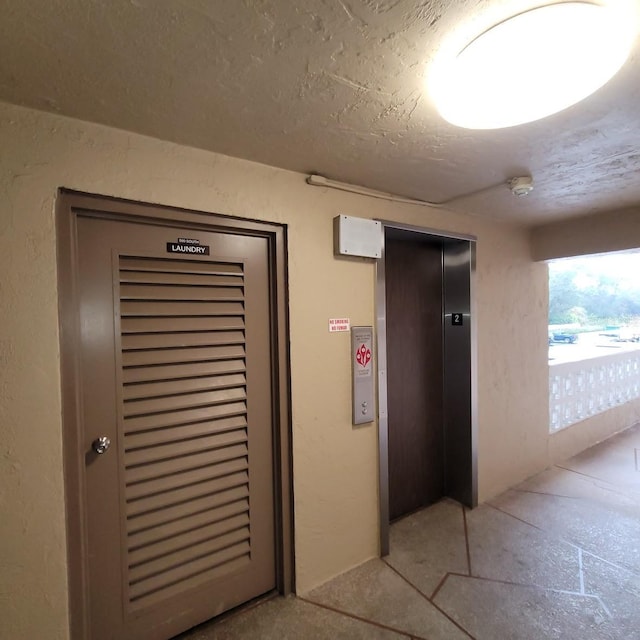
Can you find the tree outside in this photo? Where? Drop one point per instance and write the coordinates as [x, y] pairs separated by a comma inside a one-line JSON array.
[[595, 292]]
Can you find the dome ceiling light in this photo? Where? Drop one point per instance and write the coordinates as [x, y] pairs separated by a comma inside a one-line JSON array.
[[533, 64]]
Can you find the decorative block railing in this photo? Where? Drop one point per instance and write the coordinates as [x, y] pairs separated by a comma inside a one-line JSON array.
[[579, 390]]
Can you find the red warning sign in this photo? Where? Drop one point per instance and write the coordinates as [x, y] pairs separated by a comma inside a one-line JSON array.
[[363, 355], [338, 324]]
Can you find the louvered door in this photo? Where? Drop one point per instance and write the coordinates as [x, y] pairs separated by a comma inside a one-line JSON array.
[[176, 360]]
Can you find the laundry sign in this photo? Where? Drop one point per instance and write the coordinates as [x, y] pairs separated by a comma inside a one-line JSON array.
[[188, 245]]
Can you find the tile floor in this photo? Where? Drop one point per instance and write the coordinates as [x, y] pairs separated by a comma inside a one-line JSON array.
[[556, 557]]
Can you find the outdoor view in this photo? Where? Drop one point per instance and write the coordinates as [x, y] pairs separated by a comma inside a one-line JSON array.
[[594, 306], [594, 336]]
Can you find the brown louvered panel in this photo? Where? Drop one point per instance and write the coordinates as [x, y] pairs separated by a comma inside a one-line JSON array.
[[153, 535], [143, 308], [175, 371], [161, 551], [183, 279], [185, 385], [183, 448], [186, 447], [162, 492], [183, 339], [175, 356], [135, 441], [161, 469], [164, 586], [128, 263], [168, 324], [184, 563], [182, 518], [159, 292], [172, 419], [183, 401], [154, 510]]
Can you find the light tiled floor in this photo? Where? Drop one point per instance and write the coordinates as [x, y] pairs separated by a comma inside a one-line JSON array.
[[556, 557]]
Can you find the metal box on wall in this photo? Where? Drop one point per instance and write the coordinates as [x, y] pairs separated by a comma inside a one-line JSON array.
[[357, 237]]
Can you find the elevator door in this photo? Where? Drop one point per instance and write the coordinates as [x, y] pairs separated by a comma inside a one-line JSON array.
[[413, 289], [175, 365]]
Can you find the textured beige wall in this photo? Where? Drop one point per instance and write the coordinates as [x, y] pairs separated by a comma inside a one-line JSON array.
[[513, 374], [601, 233], [335, 464]]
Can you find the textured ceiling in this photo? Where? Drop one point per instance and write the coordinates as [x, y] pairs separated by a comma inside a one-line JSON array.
[[325, 86]]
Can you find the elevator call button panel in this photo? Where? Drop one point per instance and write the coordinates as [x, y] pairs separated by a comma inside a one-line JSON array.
[[362, 370]]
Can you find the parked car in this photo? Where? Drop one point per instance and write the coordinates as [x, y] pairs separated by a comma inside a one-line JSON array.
[[627, 334], [564, 336], [621, 334], [611, 331]]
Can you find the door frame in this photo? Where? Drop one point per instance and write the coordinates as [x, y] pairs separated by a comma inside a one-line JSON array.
[[69, 206], [381, 331]]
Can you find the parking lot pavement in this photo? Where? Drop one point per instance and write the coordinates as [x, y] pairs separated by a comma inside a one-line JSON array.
[[588, 345]]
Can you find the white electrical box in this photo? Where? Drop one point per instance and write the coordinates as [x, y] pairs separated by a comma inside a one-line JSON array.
[[357, 237]]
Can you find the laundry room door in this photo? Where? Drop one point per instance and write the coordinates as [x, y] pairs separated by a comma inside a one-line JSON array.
[[176, 420]]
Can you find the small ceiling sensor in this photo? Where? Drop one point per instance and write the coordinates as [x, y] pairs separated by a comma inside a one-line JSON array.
[[521, 186]]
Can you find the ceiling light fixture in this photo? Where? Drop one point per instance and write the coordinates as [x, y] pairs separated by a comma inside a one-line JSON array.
[[533, 64]]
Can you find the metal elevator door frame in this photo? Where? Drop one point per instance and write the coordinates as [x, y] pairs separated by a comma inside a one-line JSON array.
[[459, 376]]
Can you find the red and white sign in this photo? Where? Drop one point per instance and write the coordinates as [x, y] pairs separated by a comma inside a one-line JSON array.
[[363, 355], [339, 324]]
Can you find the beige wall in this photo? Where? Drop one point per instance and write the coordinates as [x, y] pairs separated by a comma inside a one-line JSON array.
[[601, 233], [335, 468]]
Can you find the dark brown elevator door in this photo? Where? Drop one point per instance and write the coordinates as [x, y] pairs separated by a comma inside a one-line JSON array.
[[176, 371], [413, 283]]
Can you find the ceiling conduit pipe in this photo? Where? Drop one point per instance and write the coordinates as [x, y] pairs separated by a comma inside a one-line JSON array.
[[519, 186]]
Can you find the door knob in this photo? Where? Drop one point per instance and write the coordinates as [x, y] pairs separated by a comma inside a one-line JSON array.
[[101, 444]]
